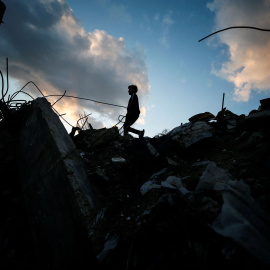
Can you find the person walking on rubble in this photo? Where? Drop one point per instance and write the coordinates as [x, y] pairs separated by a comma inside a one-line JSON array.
[[2, 11], [133, 112]]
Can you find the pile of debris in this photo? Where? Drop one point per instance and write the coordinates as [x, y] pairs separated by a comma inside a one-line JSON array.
[[196, 197]]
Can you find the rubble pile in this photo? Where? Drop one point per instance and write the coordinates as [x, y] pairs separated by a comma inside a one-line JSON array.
[[196, 197]]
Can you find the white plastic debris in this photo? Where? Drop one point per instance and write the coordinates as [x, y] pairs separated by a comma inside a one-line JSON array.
[[110, 244], [175, 183], [118, 160], [242, 220], [147, 186]]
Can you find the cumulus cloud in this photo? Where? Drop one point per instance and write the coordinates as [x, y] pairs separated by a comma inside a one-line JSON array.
[[166, 22], [249, 50], [45, 43]]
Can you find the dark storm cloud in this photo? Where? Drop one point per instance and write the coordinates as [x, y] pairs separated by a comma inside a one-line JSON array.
[[45, 43]]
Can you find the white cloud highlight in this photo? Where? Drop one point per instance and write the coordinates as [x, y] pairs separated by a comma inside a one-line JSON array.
[[249, 63]]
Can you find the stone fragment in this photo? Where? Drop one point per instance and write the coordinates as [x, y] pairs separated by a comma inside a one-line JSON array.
[[192, 133], [206, 116], [265, 104]]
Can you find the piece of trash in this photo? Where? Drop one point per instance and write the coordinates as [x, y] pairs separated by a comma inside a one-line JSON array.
[[147, 186], [174, 182], [172, 162], [109, 245], [100, 214], [118, 160], [168, 185]]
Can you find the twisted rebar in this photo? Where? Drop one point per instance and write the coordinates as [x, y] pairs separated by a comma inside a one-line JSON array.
[[12, 103], [232, 27]]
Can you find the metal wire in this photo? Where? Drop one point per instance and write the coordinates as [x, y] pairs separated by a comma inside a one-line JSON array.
[[59, 98], [87, 99], [121, 121], [4, 93], [232, 27], [20, 91], [2, 85], [7, 77], [81, 117], [17, 103]]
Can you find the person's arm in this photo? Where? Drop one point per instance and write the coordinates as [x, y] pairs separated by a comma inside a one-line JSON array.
[[133, 106]]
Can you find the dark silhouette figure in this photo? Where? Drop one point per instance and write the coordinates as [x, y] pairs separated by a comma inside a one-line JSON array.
[[133, 112], [2, 11]]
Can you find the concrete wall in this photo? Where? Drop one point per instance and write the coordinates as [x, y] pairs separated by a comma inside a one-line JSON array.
[[59, 196]]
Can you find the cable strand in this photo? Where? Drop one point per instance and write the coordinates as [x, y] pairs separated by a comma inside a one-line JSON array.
[[233, 27]]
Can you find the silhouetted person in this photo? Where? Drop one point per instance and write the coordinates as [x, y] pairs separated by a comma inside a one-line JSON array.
[[133, 112], [2, 11]]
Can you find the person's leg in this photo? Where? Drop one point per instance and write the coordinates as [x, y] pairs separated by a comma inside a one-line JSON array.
[[133, 130], [130, 120], [136, 131]]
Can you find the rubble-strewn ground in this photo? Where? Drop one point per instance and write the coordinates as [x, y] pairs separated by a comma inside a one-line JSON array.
[[162, 228]]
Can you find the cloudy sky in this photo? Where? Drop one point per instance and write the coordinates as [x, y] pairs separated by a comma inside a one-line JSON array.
[[95, 49]]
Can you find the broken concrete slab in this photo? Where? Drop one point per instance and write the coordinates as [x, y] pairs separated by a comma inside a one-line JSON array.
[[191, 133], [97, 137], [206, 116], [265, 104], [257, 120], [259, 115], [58, 194]]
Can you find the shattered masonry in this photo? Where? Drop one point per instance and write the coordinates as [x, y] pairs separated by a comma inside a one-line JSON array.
[[196, 197]]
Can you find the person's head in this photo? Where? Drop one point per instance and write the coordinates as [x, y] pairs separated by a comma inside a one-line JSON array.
[[132, 89], [2, 11]]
